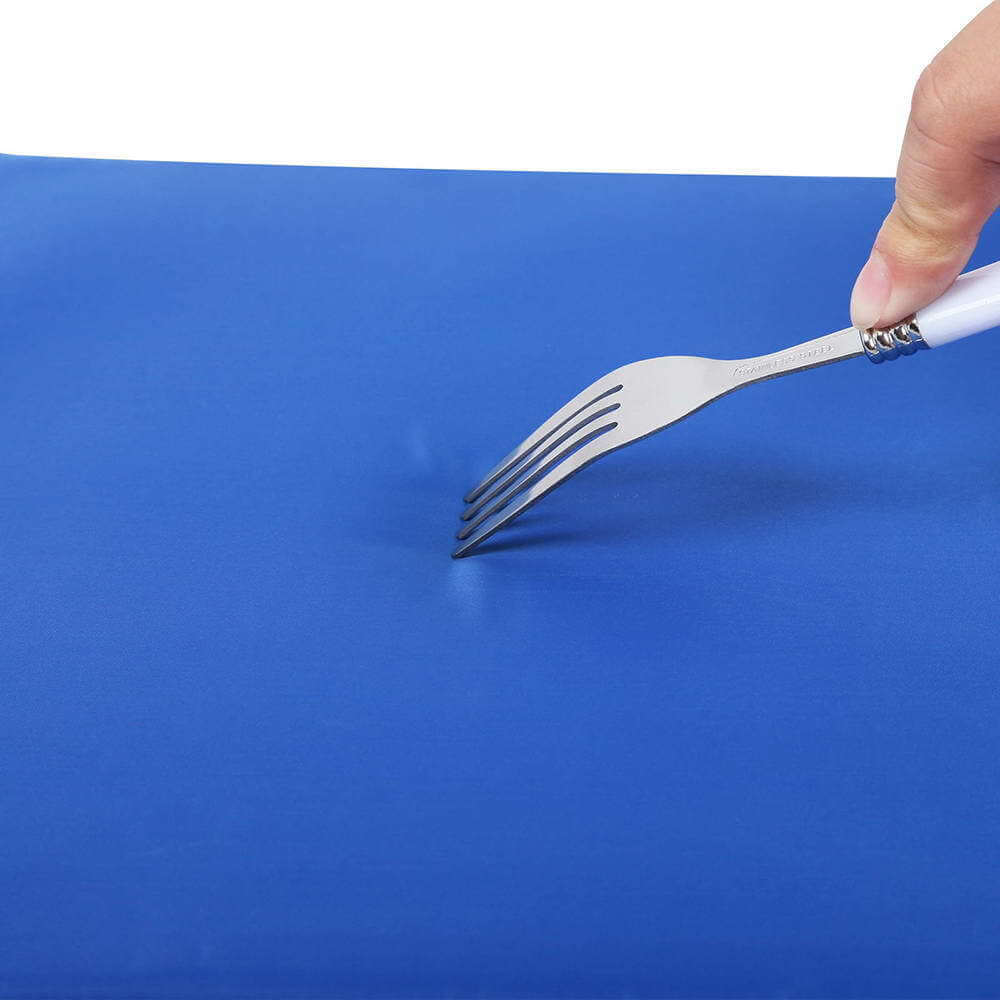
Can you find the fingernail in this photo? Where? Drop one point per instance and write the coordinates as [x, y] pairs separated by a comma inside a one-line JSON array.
[[871, 292]]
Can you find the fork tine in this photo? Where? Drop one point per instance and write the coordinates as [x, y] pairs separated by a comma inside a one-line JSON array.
[[558, 472], [594, 393], [533, 475], [532, 458]]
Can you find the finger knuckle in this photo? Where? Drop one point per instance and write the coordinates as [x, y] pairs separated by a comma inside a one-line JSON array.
[[918, 233]]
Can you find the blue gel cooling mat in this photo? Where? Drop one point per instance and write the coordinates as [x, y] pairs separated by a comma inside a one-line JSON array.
[[720, 717]]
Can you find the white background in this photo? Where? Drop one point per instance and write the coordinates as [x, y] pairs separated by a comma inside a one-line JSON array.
[[760, 86]]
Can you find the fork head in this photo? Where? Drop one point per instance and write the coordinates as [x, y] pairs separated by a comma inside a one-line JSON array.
[[625, 405]]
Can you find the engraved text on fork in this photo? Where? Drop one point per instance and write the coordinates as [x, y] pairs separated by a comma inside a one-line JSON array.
[[761, 366]]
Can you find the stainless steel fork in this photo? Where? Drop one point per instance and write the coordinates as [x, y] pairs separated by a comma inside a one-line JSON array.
[[642, 398]]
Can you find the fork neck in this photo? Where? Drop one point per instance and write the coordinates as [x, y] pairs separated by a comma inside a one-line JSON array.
[[822, 351]]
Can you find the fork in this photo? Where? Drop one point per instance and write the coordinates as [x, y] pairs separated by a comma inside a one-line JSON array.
[[642, 398]]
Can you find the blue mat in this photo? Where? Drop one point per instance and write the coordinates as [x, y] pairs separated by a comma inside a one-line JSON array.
[[718, 718]]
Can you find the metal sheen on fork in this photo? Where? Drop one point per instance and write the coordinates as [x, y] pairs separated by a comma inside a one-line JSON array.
[[644, 397]]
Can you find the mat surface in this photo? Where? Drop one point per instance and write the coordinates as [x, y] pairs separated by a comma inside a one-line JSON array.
[[717, 718]]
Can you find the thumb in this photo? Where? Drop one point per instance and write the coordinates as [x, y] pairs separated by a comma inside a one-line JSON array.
[[947, 183]]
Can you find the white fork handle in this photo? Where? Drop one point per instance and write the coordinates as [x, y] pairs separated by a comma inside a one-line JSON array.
[[971, 305]]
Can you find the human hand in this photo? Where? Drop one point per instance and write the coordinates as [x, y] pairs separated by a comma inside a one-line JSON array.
[[947, 181]]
